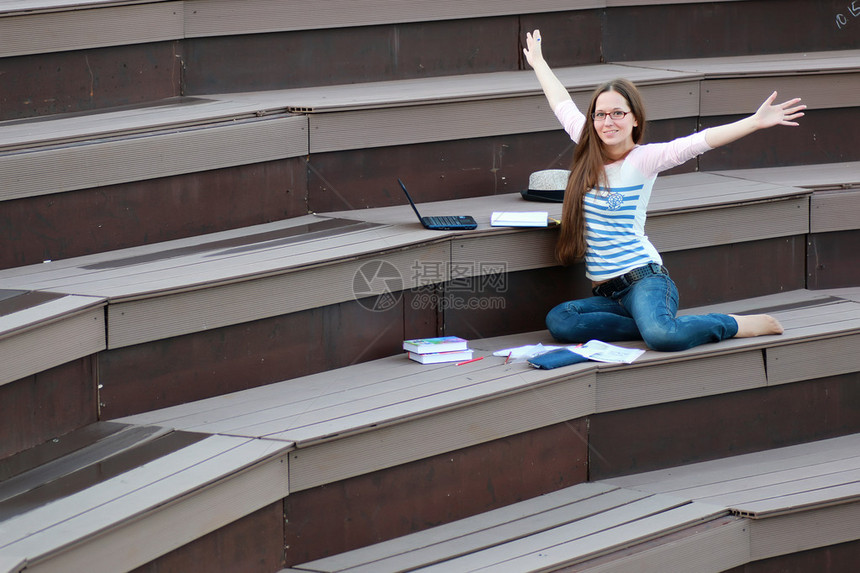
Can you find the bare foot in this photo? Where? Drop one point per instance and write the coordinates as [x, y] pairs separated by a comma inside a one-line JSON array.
[[756, 325]]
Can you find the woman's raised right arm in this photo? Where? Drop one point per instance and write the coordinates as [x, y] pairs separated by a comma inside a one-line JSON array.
[[554, 90]]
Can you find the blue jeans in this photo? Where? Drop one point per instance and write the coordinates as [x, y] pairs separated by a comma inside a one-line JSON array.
[[645, 310]]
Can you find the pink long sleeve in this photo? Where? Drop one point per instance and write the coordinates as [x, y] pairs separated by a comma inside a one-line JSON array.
[[570, 118], [653, 158], [650, 159]]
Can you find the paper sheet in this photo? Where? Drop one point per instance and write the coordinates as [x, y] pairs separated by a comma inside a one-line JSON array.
[[593, 350], [603, 352], [519, 219], [523, 353]]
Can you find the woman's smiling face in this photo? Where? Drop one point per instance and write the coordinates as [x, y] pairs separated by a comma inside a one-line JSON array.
[[616, 134]]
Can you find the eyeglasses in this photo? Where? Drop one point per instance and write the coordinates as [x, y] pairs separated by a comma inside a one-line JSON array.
[[615, 115]]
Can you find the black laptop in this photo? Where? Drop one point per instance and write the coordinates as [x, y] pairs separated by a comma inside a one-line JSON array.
[[442, 222]]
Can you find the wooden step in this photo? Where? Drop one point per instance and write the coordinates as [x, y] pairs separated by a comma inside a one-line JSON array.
[[379, 414], [351, 116], [669, 518], [158, 291], [171, 496], [134, 175], [298, 438], [150, 50], [161, 298]]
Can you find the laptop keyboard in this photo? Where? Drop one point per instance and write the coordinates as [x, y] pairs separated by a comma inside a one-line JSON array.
[[444, 220]]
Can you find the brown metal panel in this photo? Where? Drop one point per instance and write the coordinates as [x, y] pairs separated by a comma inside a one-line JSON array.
[[739, 271], [724, 29], [221, 18], [163, 373], [337, 517], [84, 80], [834, 259], [350, 55], [575, 36], [363, 178], [252, 544], [46, 405], [64, 225], [422, 318], [665, 435], [824, 136], [488, 306], [432, 171]]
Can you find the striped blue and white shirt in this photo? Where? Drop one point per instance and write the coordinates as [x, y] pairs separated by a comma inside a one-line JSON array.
[[615, 216]]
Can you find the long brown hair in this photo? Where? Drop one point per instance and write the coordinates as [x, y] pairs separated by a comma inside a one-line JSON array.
[[588, 171]]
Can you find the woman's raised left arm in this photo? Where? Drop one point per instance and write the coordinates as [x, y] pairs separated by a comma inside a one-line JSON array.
[[767, 115]]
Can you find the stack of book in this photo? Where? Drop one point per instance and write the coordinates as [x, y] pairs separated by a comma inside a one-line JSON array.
[[437, 350]]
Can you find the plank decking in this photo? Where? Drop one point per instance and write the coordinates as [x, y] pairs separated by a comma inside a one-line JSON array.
[[81, 22], [170, 500], [671, 90], [584, 520], [327, 427], [72, 326], [703, 517], [188, 285], [85, 498], [243, 128], [380, 413], [783, 492]]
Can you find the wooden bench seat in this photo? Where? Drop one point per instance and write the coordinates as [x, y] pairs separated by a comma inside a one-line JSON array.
[[781, 492], [706, 517], [35, 26], [165, 291], [161, 150], [280, 439], [297, 145], [88, 509], [233, 129], [170, 289], [734, 85], [378, 414], [71, 326], [837, 191], [54, 25], [584, 520], [361, 116], [826, 177]]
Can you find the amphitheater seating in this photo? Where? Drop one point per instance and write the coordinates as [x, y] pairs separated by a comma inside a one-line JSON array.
[[706, 517], [203, 134], [194, 286], [91, 508], [193, 189], [288, 437]]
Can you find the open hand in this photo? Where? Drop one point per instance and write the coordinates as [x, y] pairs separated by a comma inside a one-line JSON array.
[[784, 113], [532, 50]]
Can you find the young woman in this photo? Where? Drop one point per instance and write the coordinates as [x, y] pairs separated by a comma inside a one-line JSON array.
[[603, 217]]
